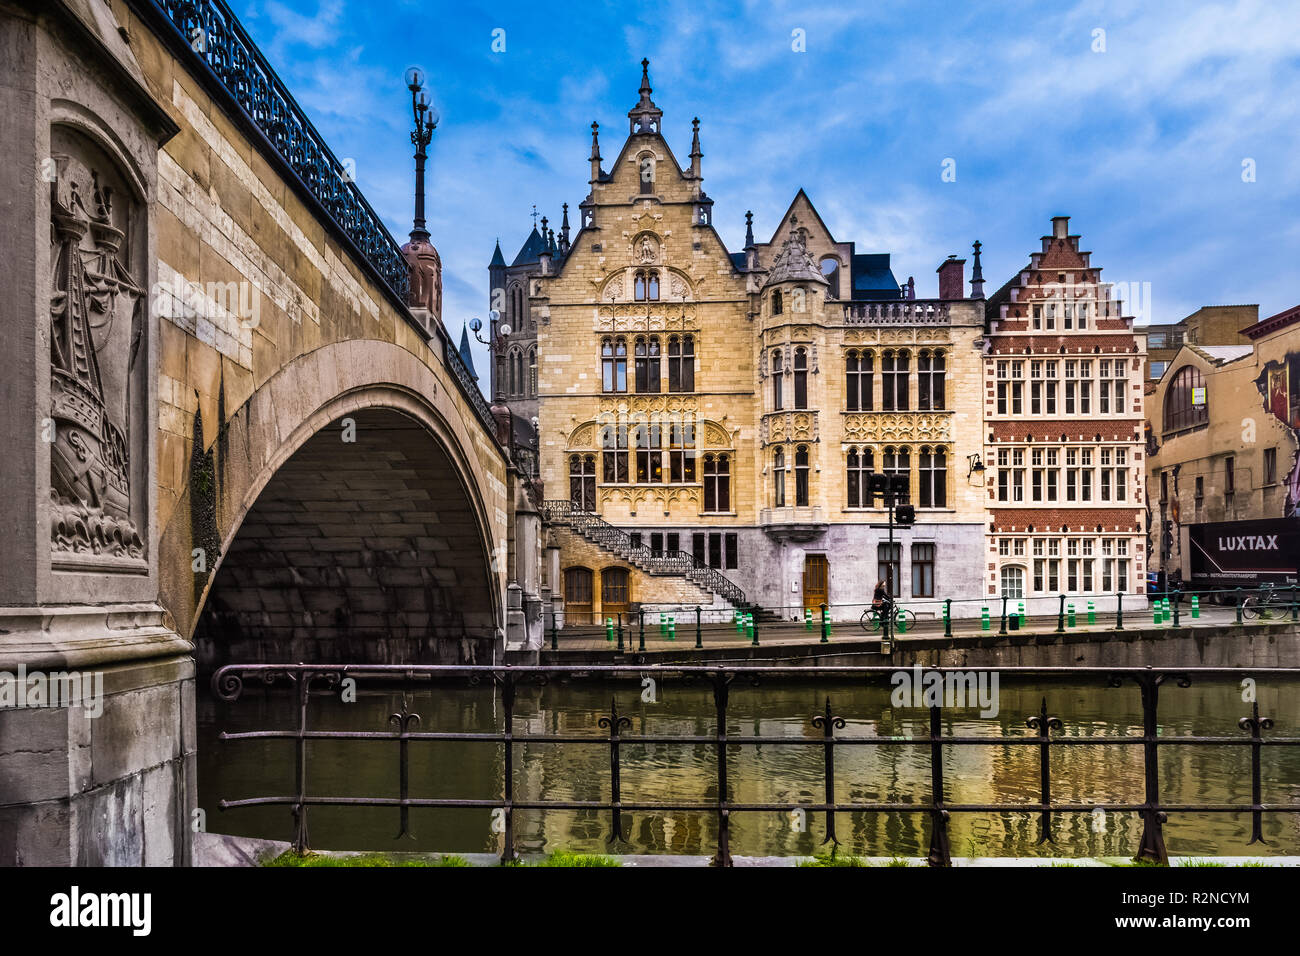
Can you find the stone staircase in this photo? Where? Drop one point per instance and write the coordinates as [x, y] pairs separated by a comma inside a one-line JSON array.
[[617, 541]]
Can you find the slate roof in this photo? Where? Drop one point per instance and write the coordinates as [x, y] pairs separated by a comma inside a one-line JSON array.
[[532, 249]]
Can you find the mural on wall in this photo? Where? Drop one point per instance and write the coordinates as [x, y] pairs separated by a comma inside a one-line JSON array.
[[1279, 386], [96, 323]]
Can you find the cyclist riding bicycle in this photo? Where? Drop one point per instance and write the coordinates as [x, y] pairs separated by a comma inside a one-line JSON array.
[[881, 600]]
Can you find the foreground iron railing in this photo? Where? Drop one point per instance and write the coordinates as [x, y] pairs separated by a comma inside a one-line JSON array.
[[228, 683]]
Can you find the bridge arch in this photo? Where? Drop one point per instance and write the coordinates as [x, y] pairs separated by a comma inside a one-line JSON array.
[[350, 518]]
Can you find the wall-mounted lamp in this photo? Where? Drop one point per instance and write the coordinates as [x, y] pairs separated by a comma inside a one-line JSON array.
[[975, 464]]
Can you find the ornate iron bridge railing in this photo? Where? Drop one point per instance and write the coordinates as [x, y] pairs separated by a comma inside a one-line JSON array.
[[217, 39], [228, 684], [221, 50], [599, 531]]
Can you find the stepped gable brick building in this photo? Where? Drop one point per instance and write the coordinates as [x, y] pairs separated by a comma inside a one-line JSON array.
[[708, 419], [1063, 415]]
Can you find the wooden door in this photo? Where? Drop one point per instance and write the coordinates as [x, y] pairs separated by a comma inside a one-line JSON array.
[[577, 596], [613, 592], [816, 575]]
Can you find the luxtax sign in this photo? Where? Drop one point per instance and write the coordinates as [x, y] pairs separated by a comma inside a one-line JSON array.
[[1245, 553]]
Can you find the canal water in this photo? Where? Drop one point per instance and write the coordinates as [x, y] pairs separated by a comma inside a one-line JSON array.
[[759, 774]]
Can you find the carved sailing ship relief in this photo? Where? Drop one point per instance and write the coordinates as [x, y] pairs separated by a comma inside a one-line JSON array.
[[95, 330]]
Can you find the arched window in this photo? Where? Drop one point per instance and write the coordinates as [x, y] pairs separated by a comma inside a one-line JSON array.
[[934, 478], [778, 378], [582, 482], [646, 171], [777, 305], [930, 370], [613, 361], [653, 288], [517, 305], [516, 372], [532, 372], [638, 287], [717, 482], [858, 369], [1181, 400], [801, 476], [681, 363], [860, 466], [893, 380], [898, 461], [831, 273], [647, 363], [800, 378], [778, 478], [1013, 582]]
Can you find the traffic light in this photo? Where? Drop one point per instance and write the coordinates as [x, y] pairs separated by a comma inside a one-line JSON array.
[[905, 515], [878, 484], [898, 485]]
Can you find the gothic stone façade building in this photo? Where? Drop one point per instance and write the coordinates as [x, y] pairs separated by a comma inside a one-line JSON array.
[[708, 420]]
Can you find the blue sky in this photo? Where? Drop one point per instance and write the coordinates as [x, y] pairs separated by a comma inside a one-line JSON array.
[[1141, 143]]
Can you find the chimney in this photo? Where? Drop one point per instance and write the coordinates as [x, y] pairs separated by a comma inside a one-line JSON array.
[[952, 273], [1060, 226]]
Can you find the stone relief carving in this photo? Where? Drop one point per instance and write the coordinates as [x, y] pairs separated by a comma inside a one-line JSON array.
[[778, 427], [97, 302], [644, 317], [898, 426], [647, 249]]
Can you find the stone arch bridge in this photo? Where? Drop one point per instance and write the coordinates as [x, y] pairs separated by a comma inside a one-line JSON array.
[[230, 430]]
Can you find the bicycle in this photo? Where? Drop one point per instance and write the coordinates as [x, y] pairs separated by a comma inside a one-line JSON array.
[[1266, 599], [872, 620]]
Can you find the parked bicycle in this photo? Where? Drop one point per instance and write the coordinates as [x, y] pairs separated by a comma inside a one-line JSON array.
[[1267, 602]]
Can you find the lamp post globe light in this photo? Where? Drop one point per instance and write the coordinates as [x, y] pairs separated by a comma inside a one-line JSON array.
[[426, 121]]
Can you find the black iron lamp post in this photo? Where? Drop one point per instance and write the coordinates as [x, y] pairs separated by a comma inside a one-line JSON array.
[[426, 121], [891, 488]]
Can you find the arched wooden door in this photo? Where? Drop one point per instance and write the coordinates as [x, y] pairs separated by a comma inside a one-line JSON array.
[[614, 598]]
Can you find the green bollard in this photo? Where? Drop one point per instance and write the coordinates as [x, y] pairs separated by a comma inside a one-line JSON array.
[[826, 624], [699, 634], [985, 623], [739, 617], [663, 624], [1092, 613], [902, 622], [1021, 615], [1167, 612], [609, 629], [1196, 607], [1069, 614], [753, 629], [1158, 612], [672, 627], [807, 619]]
